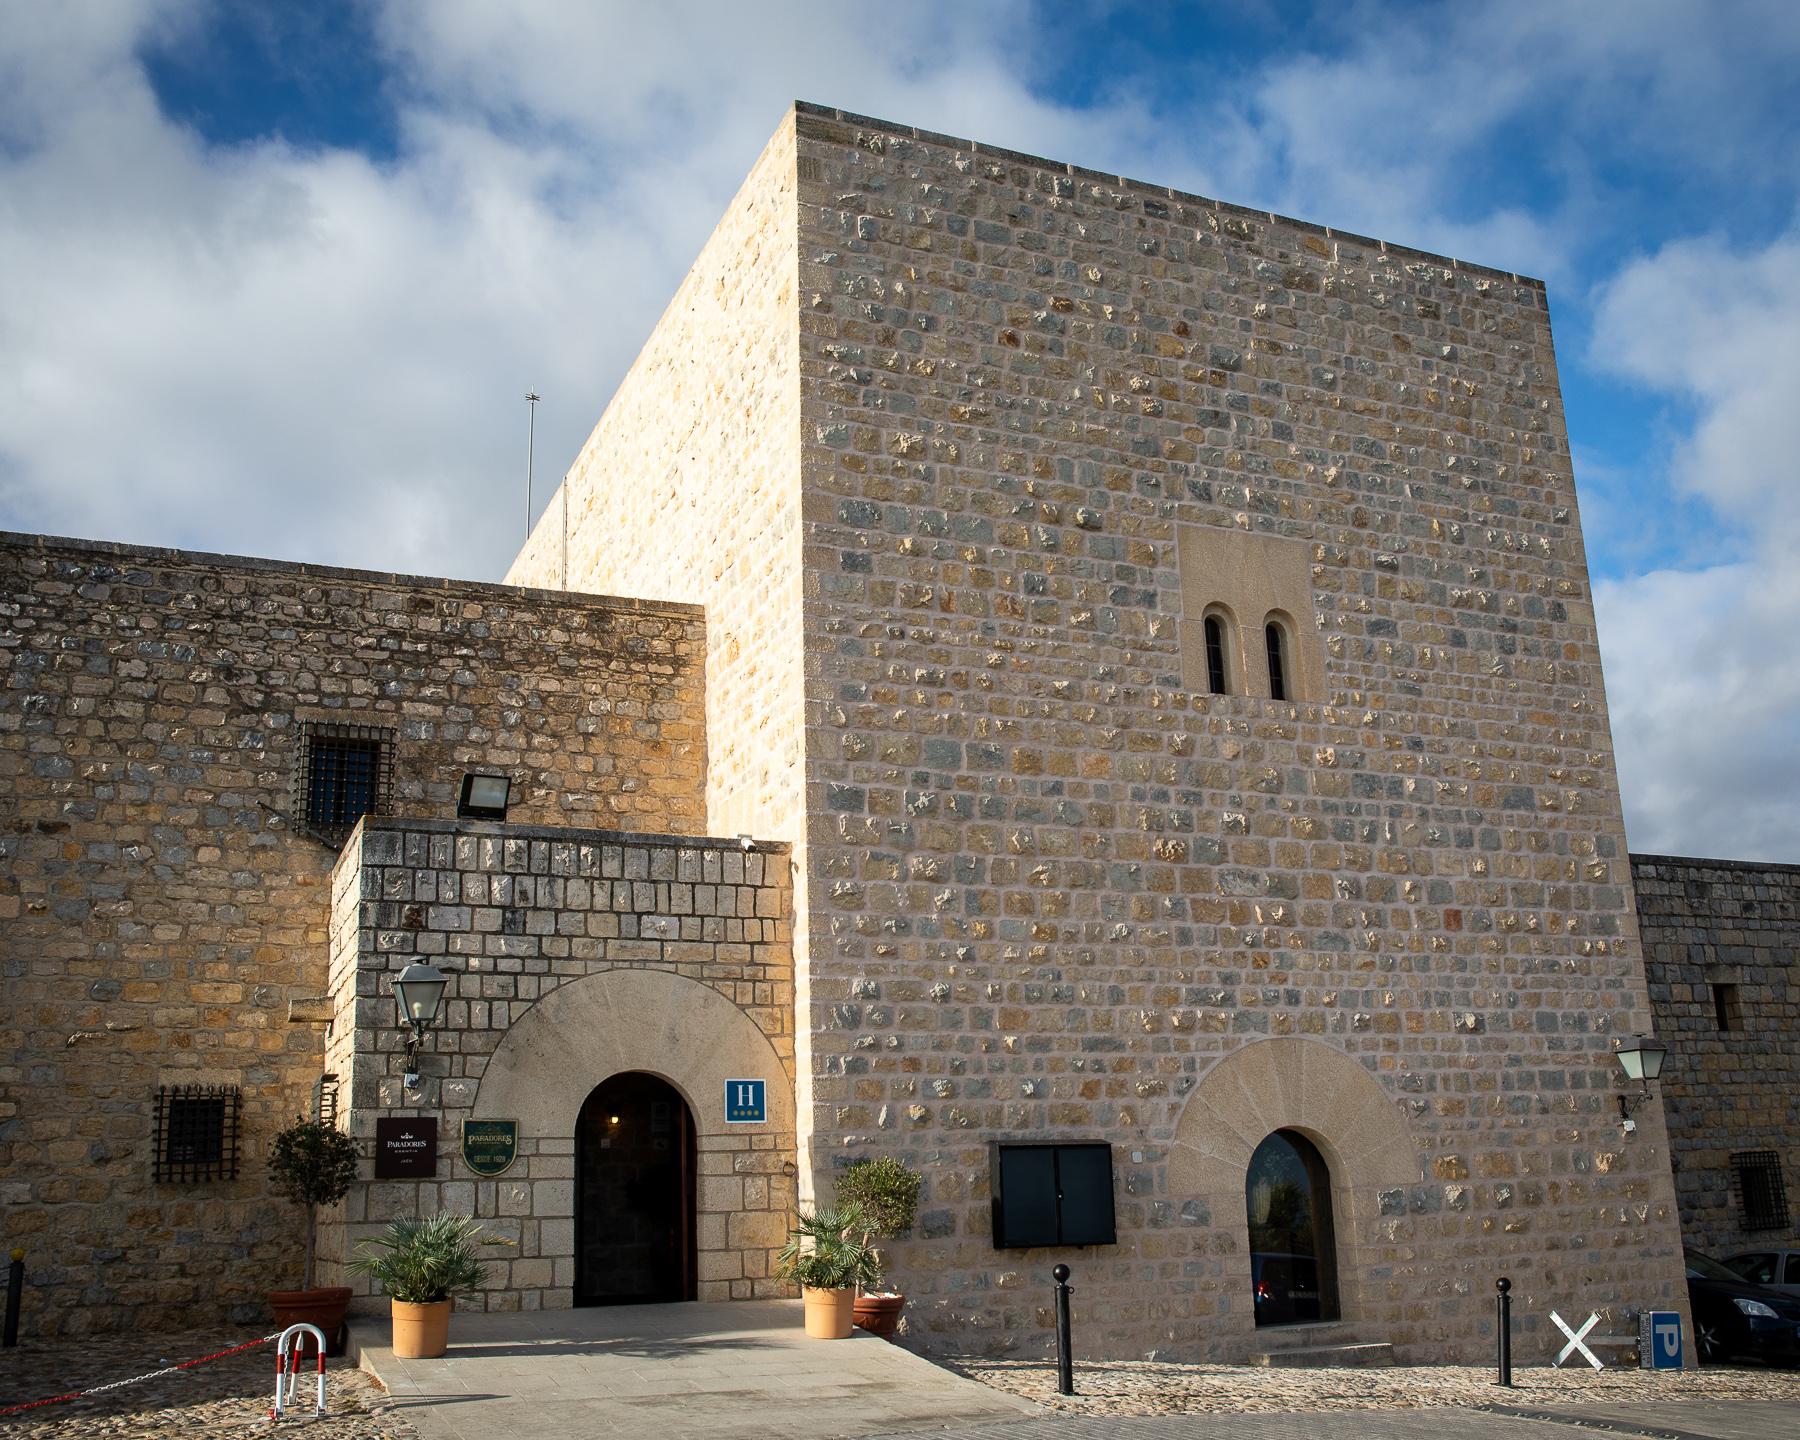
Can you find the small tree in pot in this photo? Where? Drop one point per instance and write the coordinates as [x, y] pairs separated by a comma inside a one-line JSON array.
[[312, 1164], [423, 1265], [886, 1192], [829, 1255]]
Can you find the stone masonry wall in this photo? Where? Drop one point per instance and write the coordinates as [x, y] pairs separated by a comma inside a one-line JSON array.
[[1722, 922], [689, 489], [514, 916], [160, 920], [1049, 889]]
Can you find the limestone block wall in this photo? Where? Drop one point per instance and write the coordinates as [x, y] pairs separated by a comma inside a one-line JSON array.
[[1736, 1087], [573, 955], [163, 923], [689, 489], [1050, 890]]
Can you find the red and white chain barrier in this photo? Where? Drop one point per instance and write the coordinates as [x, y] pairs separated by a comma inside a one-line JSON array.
[[184, 1365], [289, 1349]]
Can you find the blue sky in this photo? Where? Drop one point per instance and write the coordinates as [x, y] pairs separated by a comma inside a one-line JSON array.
[[280, 275]]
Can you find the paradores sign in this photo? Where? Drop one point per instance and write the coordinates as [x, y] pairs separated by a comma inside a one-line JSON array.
[[489, 1147]]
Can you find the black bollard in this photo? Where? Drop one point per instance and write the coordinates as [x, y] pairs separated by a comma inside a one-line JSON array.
[[1503, 1324], [1065, 1364], [15, 1287]]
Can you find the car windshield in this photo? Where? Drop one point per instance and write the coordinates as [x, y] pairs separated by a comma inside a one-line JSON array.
[[1704, 1267]]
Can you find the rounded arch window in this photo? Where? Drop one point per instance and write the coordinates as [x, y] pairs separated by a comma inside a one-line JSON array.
[[1278, 649], [1221, 639]]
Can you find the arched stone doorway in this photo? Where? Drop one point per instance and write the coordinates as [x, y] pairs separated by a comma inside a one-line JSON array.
[[1293, 1243], [686, 1035], [1337, 1105], [635, 1168]]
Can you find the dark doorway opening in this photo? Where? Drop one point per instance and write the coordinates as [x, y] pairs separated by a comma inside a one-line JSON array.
[[634, 1194], [1293, 1258]]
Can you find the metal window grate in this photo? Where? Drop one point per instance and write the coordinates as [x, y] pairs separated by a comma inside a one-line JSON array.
[[344, 773], [196, 1133], [325, 1100], [1757, 1186]]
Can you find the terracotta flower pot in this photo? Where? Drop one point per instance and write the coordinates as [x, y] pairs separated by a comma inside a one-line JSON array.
[[828, 1313], [421, 1332], [323, 1307], [879, 1314]]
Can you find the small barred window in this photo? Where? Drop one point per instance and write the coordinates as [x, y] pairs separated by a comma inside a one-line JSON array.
[[196, 1133], [1757, 1185], [344, 773]]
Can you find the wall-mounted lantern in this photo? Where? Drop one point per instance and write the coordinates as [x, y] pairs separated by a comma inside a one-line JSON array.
[[420, 990], [1642, 1060], [484, 796]]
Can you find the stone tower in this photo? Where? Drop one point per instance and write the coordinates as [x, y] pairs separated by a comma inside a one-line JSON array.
[[1164, 633]]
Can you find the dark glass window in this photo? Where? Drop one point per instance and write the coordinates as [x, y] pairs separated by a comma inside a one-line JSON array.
[[1274, 640], [1293, 1255], [1726, 1009], [345, 773], [1047, 1195], [1761, 1195], [196, 1133], [1215, 655]]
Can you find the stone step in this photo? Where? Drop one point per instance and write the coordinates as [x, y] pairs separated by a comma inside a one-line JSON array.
[[1318, 1357], [1309, 1335]]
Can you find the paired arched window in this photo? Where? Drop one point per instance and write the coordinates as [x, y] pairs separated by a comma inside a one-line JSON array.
[[1219, 633]]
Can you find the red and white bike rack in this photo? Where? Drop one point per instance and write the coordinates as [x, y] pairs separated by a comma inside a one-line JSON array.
[[289, 1350]]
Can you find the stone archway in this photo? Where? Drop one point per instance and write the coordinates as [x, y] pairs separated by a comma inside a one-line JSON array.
[[680, 1031], [1316, 1090]]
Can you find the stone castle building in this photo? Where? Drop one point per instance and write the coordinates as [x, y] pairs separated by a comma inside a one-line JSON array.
[[1135, 661]]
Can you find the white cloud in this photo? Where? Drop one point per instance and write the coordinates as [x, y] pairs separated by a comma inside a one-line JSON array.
[[1703, 665], [312, 354]]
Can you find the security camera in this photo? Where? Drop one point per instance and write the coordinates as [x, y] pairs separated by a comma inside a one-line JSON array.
[[746, 844]]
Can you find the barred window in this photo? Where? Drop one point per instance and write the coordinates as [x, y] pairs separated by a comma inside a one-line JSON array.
[[344, 772], [1756, 1184], [196, 1133]]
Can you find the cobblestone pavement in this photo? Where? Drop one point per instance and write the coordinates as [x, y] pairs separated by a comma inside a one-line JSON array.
[[225, 1397], [1148, 1387], [1123, 1400], [1692, 1420]]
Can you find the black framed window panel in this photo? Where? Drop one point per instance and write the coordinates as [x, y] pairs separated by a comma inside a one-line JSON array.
[[196, 1133], [1761, 1193]]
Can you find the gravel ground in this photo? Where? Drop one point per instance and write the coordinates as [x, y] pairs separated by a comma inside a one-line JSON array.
[[224, 1397], [1148, 1387]]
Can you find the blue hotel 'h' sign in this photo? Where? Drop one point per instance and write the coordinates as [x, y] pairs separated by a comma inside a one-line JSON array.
[[746, 1102]]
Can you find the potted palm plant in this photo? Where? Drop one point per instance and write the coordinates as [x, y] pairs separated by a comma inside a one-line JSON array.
[[312, 1164], [828, 1254], [886, 1190], [423, 1265]]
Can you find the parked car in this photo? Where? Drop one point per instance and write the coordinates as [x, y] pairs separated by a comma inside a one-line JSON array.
[[1732, 1316], [1778, 1268]]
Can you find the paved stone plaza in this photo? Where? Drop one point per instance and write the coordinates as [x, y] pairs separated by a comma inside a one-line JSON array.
[[745, 1371]]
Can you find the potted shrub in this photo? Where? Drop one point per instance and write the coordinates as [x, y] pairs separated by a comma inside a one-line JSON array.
[[312, 1164], [886, 1190], [828, 1254], [423, 1265]]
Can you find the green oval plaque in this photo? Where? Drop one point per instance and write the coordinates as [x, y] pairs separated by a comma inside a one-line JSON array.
[[489, 1147]]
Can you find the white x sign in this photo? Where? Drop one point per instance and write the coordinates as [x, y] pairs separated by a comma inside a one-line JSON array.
[[1575, 1339]]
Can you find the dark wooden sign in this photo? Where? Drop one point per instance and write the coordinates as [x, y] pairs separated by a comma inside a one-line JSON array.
[[405, 1148]]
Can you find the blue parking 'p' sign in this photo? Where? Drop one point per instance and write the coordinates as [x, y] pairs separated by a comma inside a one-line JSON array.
[[746, 1102], [1659, 1340]]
